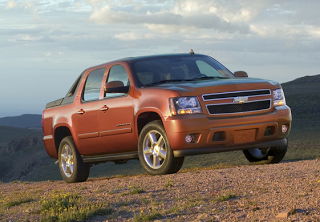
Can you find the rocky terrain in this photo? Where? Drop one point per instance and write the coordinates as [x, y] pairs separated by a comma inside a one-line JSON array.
[[22, 158], [21, 143], [287, 191]]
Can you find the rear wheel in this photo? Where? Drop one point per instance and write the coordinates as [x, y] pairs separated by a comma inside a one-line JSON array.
[[71, 166], [267, 155], [155, 153]]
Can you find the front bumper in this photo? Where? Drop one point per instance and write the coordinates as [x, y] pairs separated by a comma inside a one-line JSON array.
[[227, 134], [217, 149]]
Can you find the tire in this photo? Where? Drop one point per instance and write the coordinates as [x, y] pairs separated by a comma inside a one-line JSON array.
[[266, 156], [178, 164], [71, 166], [155, 153]]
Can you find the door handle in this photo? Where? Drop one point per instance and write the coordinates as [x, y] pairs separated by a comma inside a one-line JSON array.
[[104, 108], [81, 111]]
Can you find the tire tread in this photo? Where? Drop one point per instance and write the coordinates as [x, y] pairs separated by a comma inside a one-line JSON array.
[[81, 170], [172, 165], [275, 155]]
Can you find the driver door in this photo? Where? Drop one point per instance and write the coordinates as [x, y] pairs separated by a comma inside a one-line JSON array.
[[116, 122]]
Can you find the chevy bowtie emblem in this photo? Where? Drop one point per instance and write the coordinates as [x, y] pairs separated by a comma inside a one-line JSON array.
[[240, 99]]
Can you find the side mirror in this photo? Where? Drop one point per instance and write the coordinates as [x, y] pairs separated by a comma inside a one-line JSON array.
[[240, 74], [116, 87]]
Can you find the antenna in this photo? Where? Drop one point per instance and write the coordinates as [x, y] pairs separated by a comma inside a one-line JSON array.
[[191, 52]]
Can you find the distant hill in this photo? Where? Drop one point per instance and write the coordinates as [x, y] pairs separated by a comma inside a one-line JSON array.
[[8, 133], [304, 80], [25, 158], [306, 84], [303, 97], [23, 121]]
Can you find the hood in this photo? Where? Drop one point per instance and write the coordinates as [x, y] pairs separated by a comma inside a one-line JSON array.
[[199, 87]]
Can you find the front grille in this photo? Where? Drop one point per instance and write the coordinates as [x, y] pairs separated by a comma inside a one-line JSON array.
[[260, 92], [238, 108]]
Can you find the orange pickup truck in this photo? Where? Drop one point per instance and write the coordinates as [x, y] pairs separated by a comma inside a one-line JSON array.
[[161, 108]]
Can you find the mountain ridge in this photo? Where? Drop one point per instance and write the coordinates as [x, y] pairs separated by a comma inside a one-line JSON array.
[[304, 79], [22, 121]]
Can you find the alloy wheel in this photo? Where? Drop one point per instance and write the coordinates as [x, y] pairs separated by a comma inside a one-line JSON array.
[[154, 149]]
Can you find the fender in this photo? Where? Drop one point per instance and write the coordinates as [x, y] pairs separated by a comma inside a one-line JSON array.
[[146, 110]]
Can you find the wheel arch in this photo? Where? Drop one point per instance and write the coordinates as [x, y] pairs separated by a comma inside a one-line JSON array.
[[60, 133], [143, 118]]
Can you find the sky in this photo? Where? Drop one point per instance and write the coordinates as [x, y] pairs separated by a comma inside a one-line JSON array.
[[45, 45]]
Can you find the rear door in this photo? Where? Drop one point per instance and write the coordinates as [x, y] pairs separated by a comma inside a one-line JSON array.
[[87, 116]]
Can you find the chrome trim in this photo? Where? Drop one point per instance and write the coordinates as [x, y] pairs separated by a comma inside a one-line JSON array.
[[48, 137], [238, 104], [240, 99], [235, 96], [88, 135], [116, 131]]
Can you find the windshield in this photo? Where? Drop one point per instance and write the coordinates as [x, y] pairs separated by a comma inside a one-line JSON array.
[[157, 70]]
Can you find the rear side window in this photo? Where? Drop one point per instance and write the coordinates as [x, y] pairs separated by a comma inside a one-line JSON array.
[[72, 91], [93, 85]]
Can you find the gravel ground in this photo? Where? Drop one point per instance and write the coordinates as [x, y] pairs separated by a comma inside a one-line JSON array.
[[287, 191]]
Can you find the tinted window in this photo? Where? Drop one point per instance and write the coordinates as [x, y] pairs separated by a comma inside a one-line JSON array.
[[93, 85], [163, 69], [118, 73], [207, 70], [72, 91]]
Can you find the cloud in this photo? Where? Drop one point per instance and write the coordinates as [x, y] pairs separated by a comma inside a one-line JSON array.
[[27, 5], [106, 15], [180, 15], [11, 4], [47, 54], [272, 18], [132, 36]]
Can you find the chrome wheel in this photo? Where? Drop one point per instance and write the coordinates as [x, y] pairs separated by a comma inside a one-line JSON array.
[[154, 149], [67, 160], [259, 153], [71, 165]]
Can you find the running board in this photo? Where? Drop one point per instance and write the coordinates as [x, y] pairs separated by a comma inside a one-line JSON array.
[[109, 157]]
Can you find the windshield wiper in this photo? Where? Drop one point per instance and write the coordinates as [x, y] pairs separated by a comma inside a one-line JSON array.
[[208, 77], [164, 81], [180, 80]]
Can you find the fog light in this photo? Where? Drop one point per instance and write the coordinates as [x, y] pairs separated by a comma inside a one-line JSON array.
[[189, 138], [284, 128]]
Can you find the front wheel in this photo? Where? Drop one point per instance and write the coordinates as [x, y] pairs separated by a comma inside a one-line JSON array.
[[155, 153], [267, 155], [71, 166]]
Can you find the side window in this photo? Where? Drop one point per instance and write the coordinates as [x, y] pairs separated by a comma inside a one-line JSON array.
[[207, 70], [117, 73], [69, 98], [93, 85]]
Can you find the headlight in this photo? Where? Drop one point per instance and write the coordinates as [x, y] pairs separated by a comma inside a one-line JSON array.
[[184, 105], [278, 97]]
